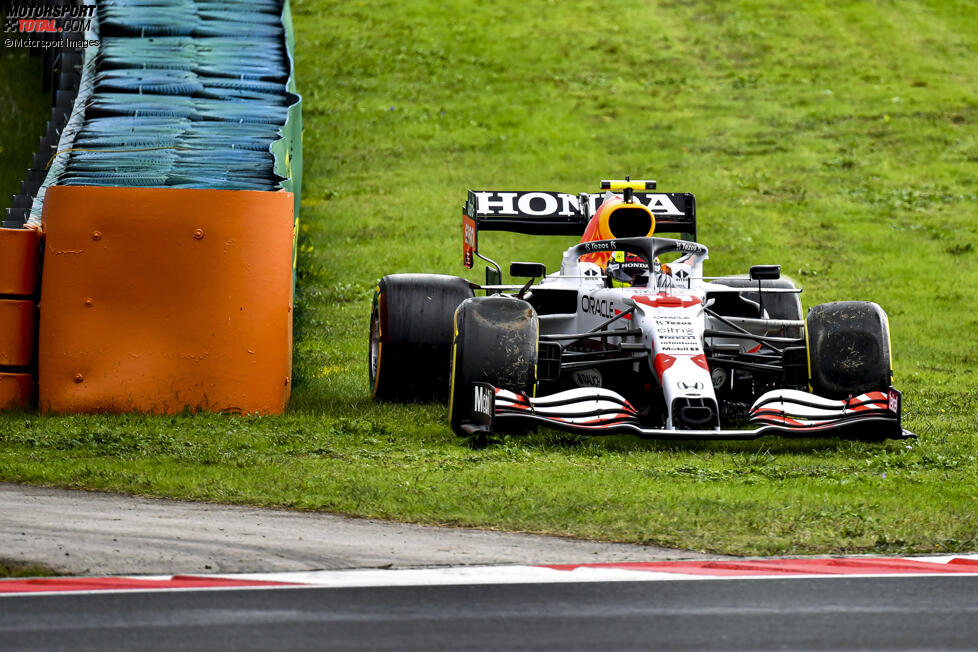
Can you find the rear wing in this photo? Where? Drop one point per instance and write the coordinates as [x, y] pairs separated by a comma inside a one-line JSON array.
[[559, 213]]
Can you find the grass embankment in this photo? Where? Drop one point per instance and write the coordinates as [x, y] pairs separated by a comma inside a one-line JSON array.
[[840, 142], [24, 109], [13, 569]]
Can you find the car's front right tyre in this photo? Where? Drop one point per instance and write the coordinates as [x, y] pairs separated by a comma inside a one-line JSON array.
[[848, 348]]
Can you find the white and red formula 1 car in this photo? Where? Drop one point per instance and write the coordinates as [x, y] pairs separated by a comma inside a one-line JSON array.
[[628, 336]]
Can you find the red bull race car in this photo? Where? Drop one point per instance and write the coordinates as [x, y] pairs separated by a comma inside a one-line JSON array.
[[629, 336]]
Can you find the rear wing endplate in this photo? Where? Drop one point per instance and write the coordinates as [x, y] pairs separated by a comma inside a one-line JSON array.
[[559, 213]]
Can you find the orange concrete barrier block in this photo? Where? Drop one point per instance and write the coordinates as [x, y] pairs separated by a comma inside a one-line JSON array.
[[18, 328], [19, 251], [157, 300], [16, 391]]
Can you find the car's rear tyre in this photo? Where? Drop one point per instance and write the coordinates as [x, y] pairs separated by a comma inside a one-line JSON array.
[[848, 348], [495, 342], [411, 335]]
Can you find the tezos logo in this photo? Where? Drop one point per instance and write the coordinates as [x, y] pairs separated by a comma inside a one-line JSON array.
[[689, 247]]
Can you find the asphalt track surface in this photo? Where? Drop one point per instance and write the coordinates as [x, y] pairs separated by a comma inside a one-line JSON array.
[[845, 613], [92, 533], [423, 589]]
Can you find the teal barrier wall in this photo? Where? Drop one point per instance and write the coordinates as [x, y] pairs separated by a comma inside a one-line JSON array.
[[189, 94]]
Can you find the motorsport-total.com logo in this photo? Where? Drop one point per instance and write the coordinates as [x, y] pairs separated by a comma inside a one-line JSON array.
[[44, 25], [37, 18]]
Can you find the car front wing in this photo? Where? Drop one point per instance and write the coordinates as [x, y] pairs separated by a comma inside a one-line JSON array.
[[601, 411]]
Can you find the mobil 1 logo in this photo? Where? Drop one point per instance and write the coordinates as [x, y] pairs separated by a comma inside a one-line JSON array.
[[483, 404]]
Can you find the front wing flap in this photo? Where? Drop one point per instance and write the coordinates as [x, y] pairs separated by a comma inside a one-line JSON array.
[[600, 411]]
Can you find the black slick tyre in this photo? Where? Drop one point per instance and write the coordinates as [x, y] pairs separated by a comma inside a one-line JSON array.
[[495, 342], [848, 348], [411, 335]]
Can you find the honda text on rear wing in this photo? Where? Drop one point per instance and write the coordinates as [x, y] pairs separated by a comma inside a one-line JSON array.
[[559, 213]]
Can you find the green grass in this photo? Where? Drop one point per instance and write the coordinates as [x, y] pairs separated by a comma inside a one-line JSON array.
[[16, 569], [24, 110], [838, 141]]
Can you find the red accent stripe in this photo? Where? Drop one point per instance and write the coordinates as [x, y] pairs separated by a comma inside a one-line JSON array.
[[49, 584], [872, 406], [776, 418], [661, 363], [788, 567], [603, 422], [700, 361], [663, 300], [958, 561]]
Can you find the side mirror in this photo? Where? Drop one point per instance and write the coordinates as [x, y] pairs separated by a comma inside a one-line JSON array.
[[765, 272], [527, 270], [493, 276]]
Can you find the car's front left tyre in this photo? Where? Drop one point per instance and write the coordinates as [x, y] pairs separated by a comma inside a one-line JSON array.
[[495, 342]]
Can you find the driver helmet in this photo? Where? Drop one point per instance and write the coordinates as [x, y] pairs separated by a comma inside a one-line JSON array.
[[626, 270]]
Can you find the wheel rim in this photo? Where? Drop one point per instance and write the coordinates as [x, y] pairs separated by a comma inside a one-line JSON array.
[[374, 348]]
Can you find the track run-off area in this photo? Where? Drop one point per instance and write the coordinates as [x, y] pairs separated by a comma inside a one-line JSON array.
[[859, 567], [244, 578], [771, 604]]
